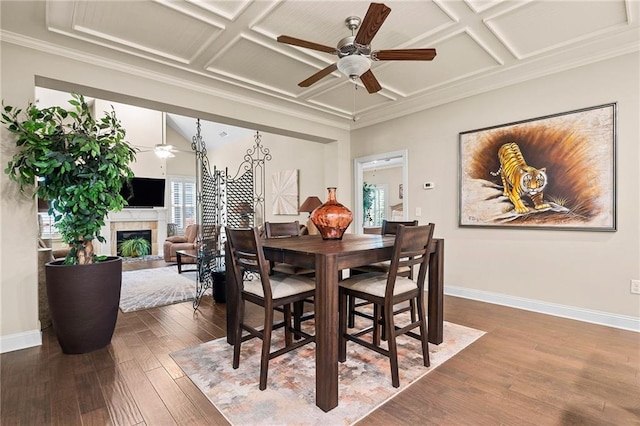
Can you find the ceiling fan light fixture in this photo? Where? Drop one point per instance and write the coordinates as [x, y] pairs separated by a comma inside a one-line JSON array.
[[163, 151], [354, 66]]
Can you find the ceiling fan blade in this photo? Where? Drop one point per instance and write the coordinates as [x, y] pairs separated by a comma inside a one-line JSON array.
[[404, 55], [370, 82], [317, 76], [303, 43], [371, 23]]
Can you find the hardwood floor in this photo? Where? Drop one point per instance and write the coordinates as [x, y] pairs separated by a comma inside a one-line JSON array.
[[528, 369]]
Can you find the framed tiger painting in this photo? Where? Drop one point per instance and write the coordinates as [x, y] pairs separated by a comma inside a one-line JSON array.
[[551, 172]]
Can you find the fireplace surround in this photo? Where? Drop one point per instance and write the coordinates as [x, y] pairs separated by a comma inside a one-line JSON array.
[[153, 219]]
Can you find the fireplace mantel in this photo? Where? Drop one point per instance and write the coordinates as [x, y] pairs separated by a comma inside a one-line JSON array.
[[153, 218]]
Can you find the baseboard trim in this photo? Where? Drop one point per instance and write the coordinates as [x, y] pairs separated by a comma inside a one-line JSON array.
[[570, 312], [17, 341]]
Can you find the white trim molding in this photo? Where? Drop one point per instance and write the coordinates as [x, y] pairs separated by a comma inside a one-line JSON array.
[[570, 312], [17, 341]]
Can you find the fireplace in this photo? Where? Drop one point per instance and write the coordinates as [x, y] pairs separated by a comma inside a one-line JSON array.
[[122, 236], [154, 219]]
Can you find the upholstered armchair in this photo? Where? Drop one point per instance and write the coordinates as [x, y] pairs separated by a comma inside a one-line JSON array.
[[188, 242], [59, 253]]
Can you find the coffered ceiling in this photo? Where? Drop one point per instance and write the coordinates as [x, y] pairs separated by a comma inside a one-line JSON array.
[[229, 48]]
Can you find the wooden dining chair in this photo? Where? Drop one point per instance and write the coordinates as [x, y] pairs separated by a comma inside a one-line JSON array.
[[388, 228], [411, 248], [284, 230], [270, 292]]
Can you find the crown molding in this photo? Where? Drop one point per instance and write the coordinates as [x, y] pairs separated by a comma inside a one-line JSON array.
[[76, 55]]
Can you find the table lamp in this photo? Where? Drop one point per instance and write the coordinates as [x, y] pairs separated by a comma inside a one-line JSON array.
[[309, 205]]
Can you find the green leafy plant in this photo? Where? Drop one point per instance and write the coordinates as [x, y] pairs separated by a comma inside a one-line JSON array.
[[135, 247], [368, 196], [79, 164]]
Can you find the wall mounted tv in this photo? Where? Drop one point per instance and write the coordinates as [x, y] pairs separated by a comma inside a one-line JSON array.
[[144, 192]]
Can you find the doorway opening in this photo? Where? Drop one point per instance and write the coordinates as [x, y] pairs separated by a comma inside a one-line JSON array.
[[387, 170]]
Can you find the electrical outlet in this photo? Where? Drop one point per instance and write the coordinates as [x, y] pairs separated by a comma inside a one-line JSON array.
[[635, 286], [428, 185], [418, 211]]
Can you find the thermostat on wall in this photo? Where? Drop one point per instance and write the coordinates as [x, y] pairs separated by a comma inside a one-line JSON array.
[[428, 185]]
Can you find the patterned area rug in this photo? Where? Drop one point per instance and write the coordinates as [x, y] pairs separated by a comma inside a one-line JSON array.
[[148, 288], [365, 378]]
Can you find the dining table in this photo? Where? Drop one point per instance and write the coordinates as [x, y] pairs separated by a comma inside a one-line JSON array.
[[329, 258]]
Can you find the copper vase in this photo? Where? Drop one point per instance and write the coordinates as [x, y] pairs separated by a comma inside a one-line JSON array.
[[332, 218]]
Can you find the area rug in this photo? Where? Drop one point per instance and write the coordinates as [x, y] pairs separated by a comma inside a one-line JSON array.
[[364, 379], [138, 259], [148, 288]]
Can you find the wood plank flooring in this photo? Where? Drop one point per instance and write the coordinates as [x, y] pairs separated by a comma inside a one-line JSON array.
[[529, 369]]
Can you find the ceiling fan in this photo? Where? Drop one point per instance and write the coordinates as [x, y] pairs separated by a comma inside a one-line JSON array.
[[164, 151], [355, 51], [161, 150]]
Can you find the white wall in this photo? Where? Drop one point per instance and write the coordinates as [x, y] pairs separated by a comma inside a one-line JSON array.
[[21, 69], [590, 271], [184, 162]]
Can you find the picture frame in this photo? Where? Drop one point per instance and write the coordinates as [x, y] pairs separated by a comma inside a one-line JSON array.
[[285, 192], [559, 170]]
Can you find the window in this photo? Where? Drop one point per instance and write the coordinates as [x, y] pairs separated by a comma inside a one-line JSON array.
[[376, 210], [183, 202], [47, 228]]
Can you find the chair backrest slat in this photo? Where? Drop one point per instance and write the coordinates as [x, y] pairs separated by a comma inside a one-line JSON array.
[[391, 227], [411, 247], [247, 255], [282, 229]]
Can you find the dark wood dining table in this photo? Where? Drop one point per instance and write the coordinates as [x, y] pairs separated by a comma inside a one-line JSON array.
[[329, 258]]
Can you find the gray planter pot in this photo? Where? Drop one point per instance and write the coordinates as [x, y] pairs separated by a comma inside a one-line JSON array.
[[83, 303]]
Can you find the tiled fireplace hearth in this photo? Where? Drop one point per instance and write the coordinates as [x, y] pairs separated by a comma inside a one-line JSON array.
[[154, 219]]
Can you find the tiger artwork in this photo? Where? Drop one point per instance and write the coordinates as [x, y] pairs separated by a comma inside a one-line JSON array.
[[519, 179]]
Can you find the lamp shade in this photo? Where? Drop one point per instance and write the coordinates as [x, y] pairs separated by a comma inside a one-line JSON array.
[[310, 204], [353, 66]]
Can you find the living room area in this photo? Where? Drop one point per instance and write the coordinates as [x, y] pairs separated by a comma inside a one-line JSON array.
[[165, 185]]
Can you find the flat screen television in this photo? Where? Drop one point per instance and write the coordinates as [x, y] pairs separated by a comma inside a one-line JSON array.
[[144, 192]]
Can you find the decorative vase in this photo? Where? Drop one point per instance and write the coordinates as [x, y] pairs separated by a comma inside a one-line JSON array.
[[332, 218]]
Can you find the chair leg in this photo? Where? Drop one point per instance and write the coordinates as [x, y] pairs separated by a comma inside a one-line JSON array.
[[424, 338], [412, 304], [382, 323], [288, 339], [266, 347], [298, 310], [376, 324], [237, 329], [352, 315], [393, 349], [343, 313]]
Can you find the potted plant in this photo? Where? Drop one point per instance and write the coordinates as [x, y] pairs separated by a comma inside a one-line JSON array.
[[134, 247], [79, 164]]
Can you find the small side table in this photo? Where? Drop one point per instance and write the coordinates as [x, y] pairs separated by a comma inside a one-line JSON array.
[[183, 253]]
